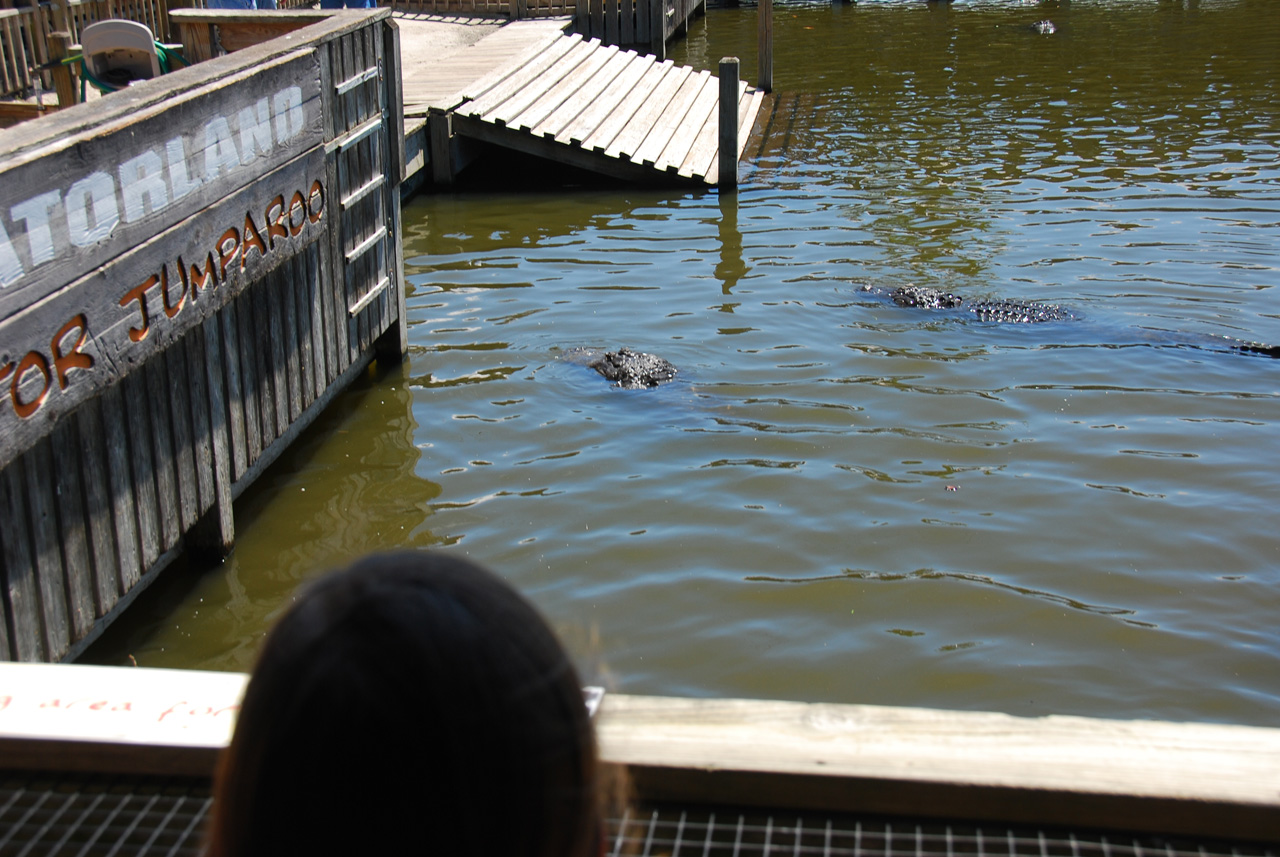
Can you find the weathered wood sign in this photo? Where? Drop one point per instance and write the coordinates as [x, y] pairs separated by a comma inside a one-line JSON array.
[[214, 184], [189, 270]]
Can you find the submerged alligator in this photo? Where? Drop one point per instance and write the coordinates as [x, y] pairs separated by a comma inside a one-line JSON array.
[[631, 370], [637, 370], [1033, 312]]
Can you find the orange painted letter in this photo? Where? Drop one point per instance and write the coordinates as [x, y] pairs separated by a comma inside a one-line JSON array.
[[64, 362], [139, 294]]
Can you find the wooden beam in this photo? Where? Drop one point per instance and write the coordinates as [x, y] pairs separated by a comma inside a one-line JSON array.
[[1194, 779], [1171, 778], [728, 166]]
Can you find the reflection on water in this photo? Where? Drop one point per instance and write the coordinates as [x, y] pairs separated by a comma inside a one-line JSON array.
[[839, 498], [348, 486]]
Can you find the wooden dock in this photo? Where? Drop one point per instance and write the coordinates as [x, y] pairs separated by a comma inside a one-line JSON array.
[[532, 88]]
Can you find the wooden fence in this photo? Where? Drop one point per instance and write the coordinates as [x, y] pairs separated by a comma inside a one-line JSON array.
[[24, 32], [190, 270]]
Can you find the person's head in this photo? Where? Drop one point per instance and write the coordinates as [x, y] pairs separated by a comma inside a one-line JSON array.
[[410, 703]]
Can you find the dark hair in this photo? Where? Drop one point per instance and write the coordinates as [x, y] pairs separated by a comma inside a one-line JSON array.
[[412, 702]]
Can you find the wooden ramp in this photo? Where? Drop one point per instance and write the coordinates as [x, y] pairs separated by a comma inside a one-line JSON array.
[[578, 102]]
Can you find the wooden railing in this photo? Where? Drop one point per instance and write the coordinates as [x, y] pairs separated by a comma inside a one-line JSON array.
[[631, 23], [24, 33]]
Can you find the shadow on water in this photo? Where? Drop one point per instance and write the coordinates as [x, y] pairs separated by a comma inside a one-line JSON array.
[[347, 486]]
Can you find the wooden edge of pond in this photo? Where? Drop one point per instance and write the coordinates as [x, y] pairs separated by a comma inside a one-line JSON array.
[[1197, 779]]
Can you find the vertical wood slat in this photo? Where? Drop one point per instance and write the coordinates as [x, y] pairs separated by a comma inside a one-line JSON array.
[[72, 529], [289, 304], [182, 454], [302, 312], [201, 432], [228, 331], [42, 518], [21, 602], [219, 534], [98, 503], [143, 471], [279, 360], [248, 355], [156, 402], [311, 308], [260, 345], [125, 514]]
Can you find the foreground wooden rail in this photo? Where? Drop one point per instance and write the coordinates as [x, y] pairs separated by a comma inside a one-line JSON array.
[[191, 269], [1188, 779]]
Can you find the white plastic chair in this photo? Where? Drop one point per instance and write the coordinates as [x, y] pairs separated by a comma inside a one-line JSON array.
[[116, 53]]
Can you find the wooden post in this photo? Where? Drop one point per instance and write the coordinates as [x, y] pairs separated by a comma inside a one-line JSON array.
[[765, 77], [728, 123], [658, 29], [64, 82], [197, 40], [440, 146]]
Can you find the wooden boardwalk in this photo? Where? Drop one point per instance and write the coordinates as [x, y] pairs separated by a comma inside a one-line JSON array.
[[529, 87]]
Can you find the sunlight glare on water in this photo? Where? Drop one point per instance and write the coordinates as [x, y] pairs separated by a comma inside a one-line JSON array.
[[840, 499]]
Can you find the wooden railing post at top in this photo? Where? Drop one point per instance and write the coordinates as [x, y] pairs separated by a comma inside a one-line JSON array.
[[728, 160], [765, 77], [63, 82]]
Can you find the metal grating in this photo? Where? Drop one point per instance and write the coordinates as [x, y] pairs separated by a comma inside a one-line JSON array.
[[42, 815], [678, 832], [79, 815]]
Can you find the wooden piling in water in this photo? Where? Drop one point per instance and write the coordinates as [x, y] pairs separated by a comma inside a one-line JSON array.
[[764, 77], [728, 165]]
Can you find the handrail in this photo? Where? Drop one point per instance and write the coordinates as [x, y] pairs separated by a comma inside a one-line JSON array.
[[25, 33]]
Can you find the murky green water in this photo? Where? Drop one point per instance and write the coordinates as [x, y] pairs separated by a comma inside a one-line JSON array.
[[841, 499]]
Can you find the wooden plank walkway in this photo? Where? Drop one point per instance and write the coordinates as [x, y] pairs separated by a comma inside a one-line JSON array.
[[529, 87]]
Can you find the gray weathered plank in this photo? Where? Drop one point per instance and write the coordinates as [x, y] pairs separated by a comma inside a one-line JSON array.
[[201, 433], [21, 589], [220, 532], [603, 105], [289, 318], [646, 115], [73, 531], [701, 112], [603, 135], [514, 83], [142, 469], [543, 84], [98, 505], [668, 124], [161, 433], [125, 514], [569, 90], [179, 416], [260, 345], [47, 550], [316, 309], [557, 120]]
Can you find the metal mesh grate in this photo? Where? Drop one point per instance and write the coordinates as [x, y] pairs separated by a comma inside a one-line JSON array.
[[83, 815], [676, 832], [79, 815]]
